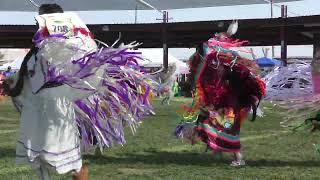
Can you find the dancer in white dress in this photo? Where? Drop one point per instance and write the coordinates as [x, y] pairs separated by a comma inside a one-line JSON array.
[[61, 103], [48, 137]]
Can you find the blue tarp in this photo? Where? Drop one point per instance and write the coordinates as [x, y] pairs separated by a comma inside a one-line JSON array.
[[267, 62]]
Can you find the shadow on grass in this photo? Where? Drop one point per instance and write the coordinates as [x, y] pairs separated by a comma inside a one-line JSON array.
[[282, 163], [160, 158], [179, 158], [7, 152], [187, 158]]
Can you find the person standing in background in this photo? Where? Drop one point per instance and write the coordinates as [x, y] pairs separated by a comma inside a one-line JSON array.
[[8, 72]]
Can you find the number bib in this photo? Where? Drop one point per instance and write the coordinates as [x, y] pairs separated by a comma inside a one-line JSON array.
[[62, 24], [59, 26]]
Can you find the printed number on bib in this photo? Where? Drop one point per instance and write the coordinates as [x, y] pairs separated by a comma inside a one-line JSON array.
[[59, 26]]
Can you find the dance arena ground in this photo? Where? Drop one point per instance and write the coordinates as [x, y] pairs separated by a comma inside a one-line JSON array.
[[270, 151]]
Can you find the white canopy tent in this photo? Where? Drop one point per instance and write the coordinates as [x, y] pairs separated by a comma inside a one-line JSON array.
[[155, 59], [94, 5], [15, 65]]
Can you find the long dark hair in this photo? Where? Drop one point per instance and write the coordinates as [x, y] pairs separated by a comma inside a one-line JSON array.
[[16, 91], [50, 8]]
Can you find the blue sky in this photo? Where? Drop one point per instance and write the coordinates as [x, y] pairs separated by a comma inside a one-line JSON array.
[[305, 7]]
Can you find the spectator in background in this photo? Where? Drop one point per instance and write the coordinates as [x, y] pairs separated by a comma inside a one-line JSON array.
[[8, 72], [175, 88]]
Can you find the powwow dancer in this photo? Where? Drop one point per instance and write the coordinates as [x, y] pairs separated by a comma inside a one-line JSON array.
[[62, 99], [167, 81], [295, 89], [227, 87]]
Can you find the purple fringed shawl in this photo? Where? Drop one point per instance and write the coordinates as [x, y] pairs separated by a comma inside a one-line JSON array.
[[117, 101]]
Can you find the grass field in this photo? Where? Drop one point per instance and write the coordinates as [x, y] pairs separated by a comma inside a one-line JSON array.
[[153, 152]]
